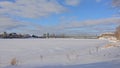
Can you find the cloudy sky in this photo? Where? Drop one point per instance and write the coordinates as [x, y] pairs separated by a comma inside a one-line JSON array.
[[59, 16]]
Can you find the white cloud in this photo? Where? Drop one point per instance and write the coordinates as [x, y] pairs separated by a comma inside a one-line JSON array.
[[31, 8], [27, 9], [77, 24], [82, 26], [72, 2], [9, 24]]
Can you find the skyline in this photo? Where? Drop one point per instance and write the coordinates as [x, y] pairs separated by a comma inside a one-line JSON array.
[[59, 16]]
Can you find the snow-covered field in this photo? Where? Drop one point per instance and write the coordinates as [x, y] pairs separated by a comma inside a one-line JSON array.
[[59, 53]]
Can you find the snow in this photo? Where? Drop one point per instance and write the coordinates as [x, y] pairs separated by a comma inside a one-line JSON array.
[[59, 53]]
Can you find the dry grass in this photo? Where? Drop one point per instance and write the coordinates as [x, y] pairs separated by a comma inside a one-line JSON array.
[[14, 61], [110, 45]]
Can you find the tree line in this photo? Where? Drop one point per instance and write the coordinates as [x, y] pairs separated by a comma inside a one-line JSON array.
[[48, 35], [16, 35]]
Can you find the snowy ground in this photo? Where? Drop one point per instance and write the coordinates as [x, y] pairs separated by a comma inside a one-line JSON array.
[[59, 53]]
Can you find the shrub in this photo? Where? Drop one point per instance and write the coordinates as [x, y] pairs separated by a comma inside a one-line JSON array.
[[14, 61], [117, 33]]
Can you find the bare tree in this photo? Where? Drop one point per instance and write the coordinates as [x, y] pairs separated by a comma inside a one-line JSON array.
[[116, 3], [117, 33]]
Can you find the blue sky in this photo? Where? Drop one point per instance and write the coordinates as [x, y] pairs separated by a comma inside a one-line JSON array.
[[58, 16]]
